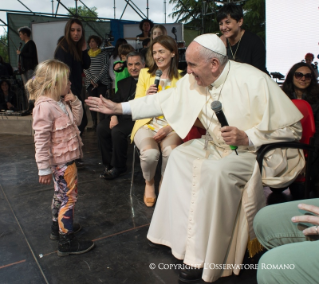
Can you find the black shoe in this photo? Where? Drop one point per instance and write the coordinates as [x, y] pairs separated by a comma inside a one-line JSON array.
[[68, 244], [55, 230], [190, 274], [153, 245], [113, 173], [79, 163]]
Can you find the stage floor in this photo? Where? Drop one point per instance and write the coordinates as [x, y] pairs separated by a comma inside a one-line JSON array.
[[117, 226]]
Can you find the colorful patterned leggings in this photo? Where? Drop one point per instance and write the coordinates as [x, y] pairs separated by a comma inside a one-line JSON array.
[[65, 195]]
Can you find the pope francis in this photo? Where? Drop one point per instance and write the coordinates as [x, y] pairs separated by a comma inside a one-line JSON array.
[[210, 195]]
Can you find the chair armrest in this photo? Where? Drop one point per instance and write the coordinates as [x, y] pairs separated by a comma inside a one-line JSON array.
[[267, 147]]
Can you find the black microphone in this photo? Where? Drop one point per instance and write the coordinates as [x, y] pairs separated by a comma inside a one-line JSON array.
[[20, 46], [217, 108], [158, 75]]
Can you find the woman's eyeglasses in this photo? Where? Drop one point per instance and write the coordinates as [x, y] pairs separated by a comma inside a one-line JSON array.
[[299, 75]]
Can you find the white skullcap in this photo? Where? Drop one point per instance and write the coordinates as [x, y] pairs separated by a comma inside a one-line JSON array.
[[212, 42]]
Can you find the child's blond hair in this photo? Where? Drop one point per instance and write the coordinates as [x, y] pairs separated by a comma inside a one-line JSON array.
[[50, 79]]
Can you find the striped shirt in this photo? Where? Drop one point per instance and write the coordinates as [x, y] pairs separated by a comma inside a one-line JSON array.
[[98, 71]]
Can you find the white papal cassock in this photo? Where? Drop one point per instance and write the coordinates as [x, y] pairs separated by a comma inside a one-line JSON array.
[[208, 199]]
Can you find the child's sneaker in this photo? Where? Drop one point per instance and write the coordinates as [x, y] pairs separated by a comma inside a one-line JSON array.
[[68, 244]]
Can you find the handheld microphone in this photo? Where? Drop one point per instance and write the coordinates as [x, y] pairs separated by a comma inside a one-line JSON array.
[[20, 45], [217, 108], [158, 75]]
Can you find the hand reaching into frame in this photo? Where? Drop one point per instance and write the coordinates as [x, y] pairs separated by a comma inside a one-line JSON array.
[[103, 105], [312, 219]]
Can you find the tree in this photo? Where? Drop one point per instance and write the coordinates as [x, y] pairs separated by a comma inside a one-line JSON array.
[[85, 12], [4, 47], [190, 12], [254, 17]]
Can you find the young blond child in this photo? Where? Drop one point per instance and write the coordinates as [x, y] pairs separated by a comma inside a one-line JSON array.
[[56, 114]]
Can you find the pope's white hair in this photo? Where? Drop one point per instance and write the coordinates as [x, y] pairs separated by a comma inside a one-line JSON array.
[[209, 54]]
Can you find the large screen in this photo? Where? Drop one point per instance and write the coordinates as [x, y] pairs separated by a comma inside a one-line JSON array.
[[292, 31]]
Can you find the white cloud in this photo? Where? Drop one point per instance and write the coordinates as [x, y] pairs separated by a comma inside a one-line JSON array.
[[104, 8]]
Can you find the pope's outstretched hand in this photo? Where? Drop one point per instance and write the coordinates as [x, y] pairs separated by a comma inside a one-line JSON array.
[[103, 105]]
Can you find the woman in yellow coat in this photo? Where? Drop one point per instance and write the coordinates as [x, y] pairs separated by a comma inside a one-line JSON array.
[[154, 135]]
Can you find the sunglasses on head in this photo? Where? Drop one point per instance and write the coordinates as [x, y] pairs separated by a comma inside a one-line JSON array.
[[299, 75]]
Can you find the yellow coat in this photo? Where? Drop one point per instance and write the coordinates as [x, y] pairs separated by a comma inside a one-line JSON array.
[[145, 80]]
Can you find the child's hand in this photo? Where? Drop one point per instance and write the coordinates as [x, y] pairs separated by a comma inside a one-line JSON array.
[[69, 97], [45, 179], [117, 66]]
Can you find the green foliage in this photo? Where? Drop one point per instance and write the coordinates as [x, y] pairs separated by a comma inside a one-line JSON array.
[[254, 17], [190, 12], [85, 12], [4, 47]]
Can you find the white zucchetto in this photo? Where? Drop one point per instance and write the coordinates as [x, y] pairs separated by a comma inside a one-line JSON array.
[[212, 42]]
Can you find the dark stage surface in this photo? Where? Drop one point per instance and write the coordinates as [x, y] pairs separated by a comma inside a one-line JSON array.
[[117, 224]]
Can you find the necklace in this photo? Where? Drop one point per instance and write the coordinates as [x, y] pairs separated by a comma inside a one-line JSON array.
[[234, 54], [207, 136]]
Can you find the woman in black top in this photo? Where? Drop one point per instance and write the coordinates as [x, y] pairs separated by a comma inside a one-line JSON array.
[[242, 46], [145, 26], [72, 51], [301, 83], [7, 97]]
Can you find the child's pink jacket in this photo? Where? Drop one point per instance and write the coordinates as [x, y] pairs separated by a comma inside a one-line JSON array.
[[57, 138]]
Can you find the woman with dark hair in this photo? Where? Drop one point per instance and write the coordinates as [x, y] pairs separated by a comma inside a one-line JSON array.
[[115, 57], [301, 83], [72, 51], [145, 26], [97, 78], [154, 134], [8, 100], [156, 31], [242, 45]]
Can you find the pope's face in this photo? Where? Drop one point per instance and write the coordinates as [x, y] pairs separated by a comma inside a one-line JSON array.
[[198, 66]]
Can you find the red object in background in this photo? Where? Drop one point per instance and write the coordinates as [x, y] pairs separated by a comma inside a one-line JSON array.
[[308, 126], [194, 133]]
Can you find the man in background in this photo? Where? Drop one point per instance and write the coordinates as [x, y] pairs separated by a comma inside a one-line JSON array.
[[113, 130]]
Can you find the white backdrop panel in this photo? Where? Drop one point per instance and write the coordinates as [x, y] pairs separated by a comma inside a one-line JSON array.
[[292, 30], [45, 36]]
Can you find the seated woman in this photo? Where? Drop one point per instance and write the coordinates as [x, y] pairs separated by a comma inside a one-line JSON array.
[[301, 83], [290, 232], [151, 134], [7, 97], [156, 31]]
